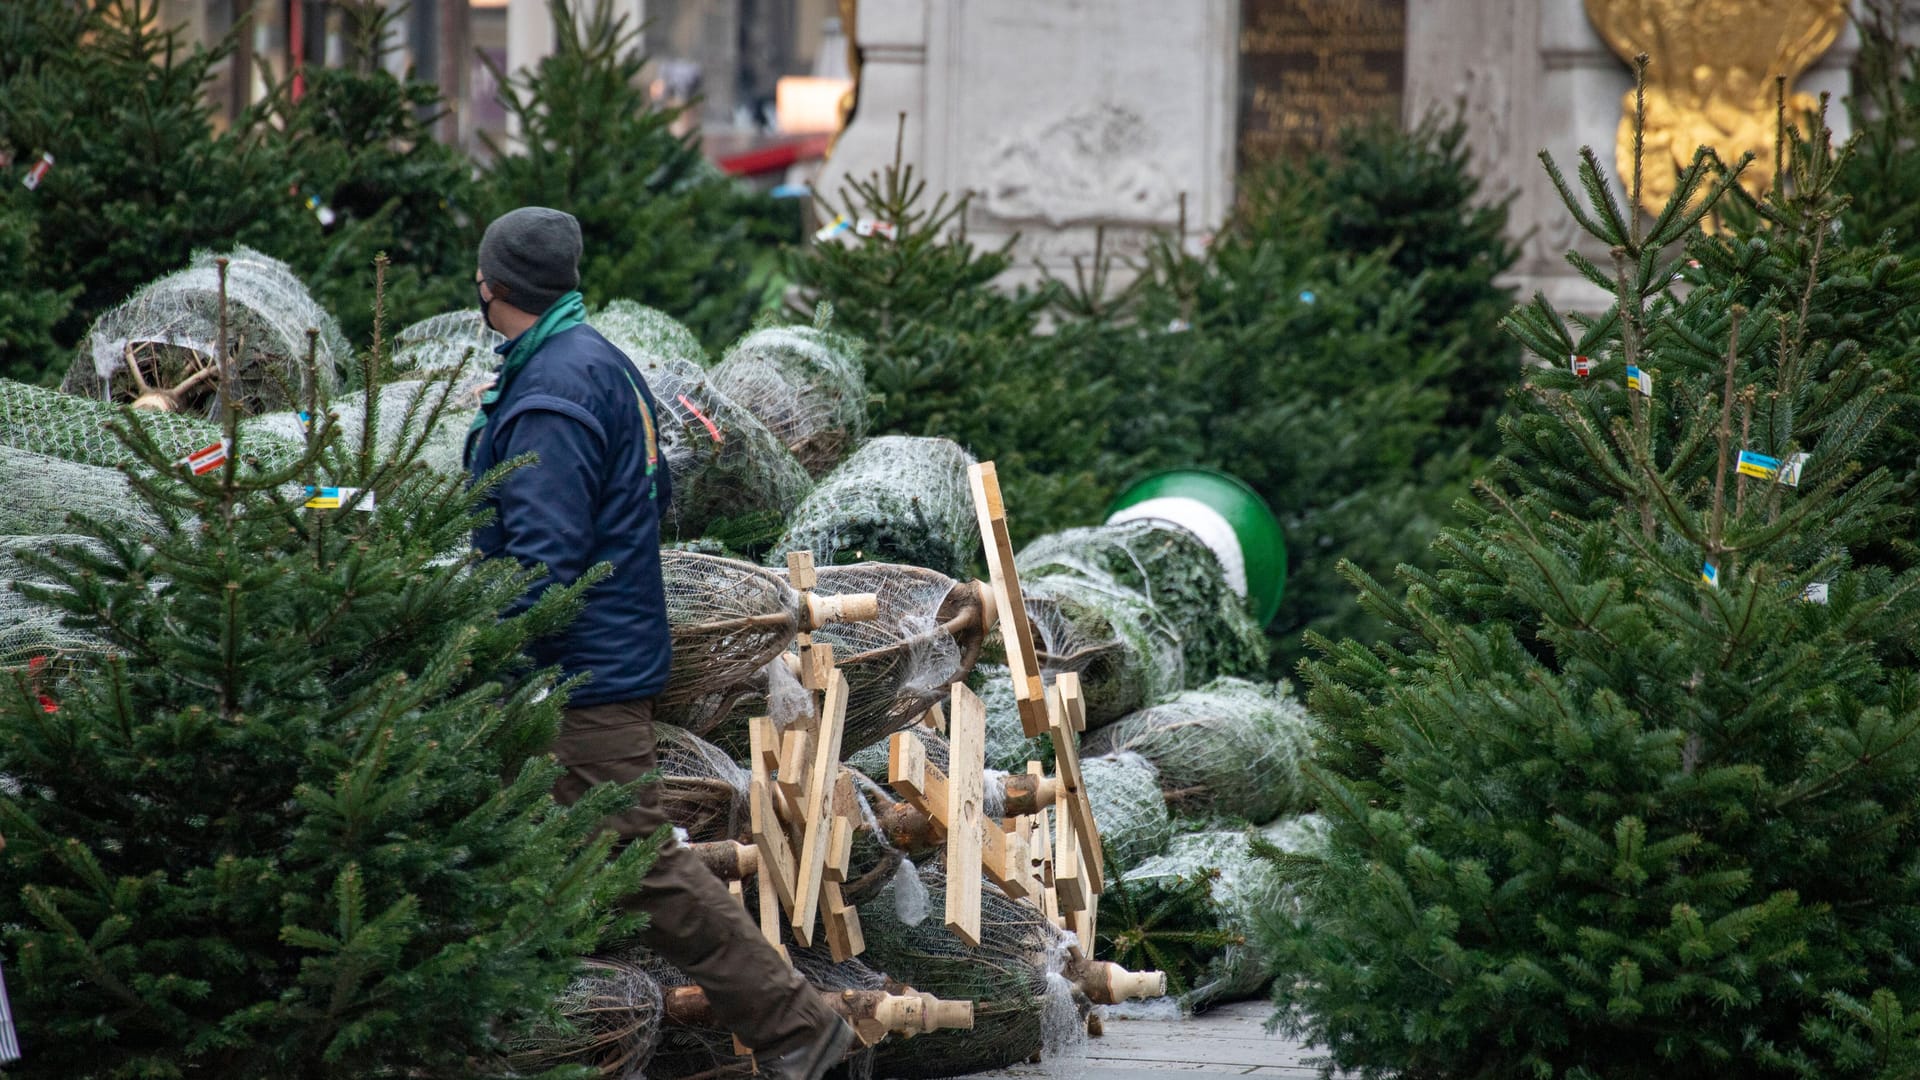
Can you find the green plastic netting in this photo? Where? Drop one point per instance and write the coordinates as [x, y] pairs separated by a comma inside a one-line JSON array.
[[74, 428], [1007, 977], [807, 386], [1126, 652], [171, 330], [608, 1019], [898, 499], [1177, 574], [1231, 748]]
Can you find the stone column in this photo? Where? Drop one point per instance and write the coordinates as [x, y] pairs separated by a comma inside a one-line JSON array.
[[1533, 75], [1059, 117]]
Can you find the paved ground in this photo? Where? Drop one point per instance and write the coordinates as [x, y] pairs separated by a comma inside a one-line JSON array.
[[1227, 1041]]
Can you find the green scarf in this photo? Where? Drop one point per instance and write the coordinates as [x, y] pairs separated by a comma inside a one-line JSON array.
[[566, 313]]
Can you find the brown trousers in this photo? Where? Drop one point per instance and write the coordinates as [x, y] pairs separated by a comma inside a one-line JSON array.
[[692, 921]]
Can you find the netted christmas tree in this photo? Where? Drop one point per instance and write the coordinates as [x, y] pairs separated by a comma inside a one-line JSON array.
[[1633, 791], [293, 818]]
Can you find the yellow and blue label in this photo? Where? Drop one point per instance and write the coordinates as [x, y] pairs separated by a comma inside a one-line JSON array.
[[1710, 574], [1639, 379], [332, 498], [1759, 466]]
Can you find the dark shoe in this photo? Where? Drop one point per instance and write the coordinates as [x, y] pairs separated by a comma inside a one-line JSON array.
[[811, 1062]]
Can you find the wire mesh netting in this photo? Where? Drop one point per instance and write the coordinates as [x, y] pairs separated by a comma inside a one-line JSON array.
[[807, 386], [899, 499], [39, 493], [167, 337], [728, 619], [687, 1050], [649, 337], [1125, 651], [1008, 747], [609, 1019], [1176, 573], [447, 341], [1123, 791], [33, 636], [1006, 978], [1231, 748], [1244, 889], [403, 413], [925, 638], [702, 790], [731, 476]]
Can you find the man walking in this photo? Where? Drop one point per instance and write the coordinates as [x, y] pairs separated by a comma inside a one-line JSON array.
[[596, 494]]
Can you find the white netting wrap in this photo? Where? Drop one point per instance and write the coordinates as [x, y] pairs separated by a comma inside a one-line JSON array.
[[403, 410], [1232, 748], [649, 337], [1176, 573], [1123, 791], [38, 493], [925, 638], [730, 475], [1125, 651], [898, 499], [1245, 890], [728, 619], [171, 330], [609, 1019], [807, 386], [702, 790], [1008, 746], [447, 341], [1005, 978], [74, 428], [702, 1051], [32, 636]]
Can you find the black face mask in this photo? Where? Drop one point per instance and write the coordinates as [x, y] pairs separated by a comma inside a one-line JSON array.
[[485, 303]]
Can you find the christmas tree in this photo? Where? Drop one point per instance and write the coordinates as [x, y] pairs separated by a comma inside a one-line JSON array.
[[298, 822], [951, 354], [140, 179], [1633, 791], [360, 145], [667, 229]]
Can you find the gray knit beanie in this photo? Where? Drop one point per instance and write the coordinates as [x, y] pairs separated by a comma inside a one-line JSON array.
[[531, 257]]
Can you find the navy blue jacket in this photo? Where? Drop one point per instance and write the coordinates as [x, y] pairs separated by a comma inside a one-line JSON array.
[[595, 495]]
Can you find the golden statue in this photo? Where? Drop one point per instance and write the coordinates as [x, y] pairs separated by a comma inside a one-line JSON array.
[[1710, 81]]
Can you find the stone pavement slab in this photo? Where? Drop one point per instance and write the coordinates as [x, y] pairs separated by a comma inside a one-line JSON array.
[[1225, 1042]]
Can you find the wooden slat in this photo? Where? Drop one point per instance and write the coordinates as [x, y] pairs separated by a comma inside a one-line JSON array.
[[1029, 695], [1071, 701], [1066, 762], [935, 718], [965, 817], [770, 918], [800, 572], [796, 760], [1083, 923], [769, 835], [907, 773], [844, 937], [839, 850], [1041, 845], [1068, 884], [813, 849]]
